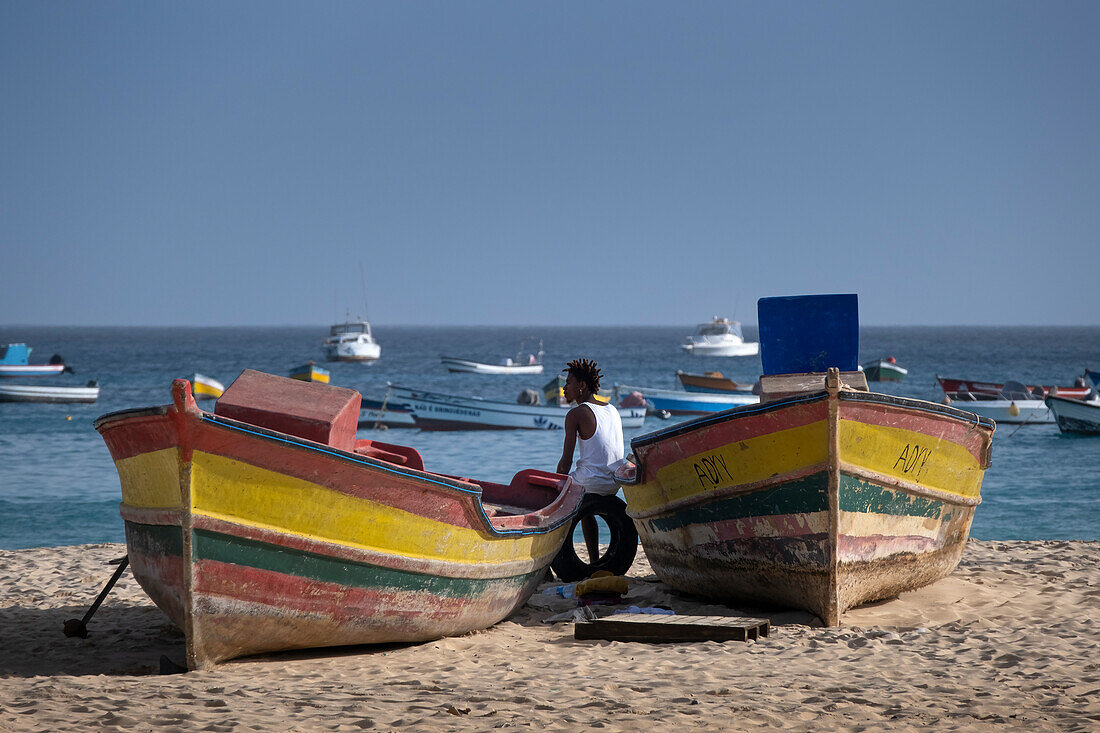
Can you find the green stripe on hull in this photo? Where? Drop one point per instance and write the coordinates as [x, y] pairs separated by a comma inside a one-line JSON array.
[[155, 539], [859, 496], [218, 547], [806, 495]]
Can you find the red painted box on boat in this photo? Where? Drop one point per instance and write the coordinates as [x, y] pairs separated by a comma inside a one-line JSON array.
[[318, 412]]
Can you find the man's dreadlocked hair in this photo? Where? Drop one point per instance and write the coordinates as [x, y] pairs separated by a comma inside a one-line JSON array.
[[585, 370]]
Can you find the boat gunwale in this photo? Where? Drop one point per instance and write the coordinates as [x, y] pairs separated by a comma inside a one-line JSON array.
[[847, 395], [374, 463], [472, 489], [108, 417]]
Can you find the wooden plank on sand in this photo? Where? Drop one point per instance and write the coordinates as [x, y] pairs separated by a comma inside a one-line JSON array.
[[663, 629]]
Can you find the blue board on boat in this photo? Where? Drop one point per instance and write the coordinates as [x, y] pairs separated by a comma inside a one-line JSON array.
[[809, 333]]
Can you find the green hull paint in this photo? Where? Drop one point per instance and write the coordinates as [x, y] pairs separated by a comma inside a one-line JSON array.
[[310, 566], [806, 495], [864, 497]]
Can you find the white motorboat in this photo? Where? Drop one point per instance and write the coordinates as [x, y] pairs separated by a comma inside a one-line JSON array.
[[436, 411], [720, 337], [351, 341], [35, 393], [1076, 416], [1015, 404]]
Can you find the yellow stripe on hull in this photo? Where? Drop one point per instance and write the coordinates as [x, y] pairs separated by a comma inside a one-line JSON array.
[[911, 457], [151, 480], [748, 461], [237, 492], [864, 524]]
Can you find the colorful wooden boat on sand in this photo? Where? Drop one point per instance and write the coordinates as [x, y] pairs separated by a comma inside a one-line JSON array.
[[310, 372], [206, 388], [886, 369], [824, 496], [712, 382], [15, 362], [1075, 416], [267, 526]]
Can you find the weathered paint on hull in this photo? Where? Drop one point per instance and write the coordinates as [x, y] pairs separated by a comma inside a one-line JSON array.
[[253, 541], [817, 502]]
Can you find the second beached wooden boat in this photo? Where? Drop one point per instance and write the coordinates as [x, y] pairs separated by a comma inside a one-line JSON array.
[[822, 497], [267, 526]]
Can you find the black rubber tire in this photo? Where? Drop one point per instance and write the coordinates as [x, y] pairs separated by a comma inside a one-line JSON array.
[[621, 551]]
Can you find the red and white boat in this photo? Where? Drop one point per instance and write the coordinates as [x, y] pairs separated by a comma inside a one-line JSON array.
[[951, 386]]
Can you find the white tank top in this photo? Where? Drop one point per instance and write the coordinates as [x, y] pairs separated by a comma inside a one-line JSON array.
[[604, 448]]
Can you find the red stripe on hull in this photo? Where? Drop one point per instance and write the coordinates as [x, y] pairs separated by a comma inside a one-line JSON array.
[[291, 594], [781, 525], [948, 428], [133, 436]]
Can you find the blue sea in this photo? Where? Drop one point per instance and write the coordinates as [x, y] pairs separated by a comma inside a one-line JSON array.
[[58, 485]]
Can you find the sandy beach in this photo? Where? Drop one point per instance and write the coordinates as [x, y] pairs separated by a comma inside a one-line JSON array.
[[1009, 641]]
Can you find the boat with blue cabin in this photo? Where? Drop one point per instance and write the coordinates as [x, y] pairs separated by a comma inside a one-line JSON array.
[[15, 362]]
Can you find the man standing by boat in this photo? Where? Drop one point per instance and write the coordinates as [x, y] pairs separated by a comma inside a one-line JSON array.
[[596, 425]]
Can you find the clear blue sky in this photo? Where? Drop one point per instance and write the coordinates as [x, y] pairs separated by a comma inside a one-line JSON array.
[[212, 163]]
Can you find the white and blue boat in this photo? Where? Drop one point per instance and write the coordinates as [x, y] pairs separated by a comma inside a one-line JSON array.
[[437, 411], [15, 362], [679, 402]]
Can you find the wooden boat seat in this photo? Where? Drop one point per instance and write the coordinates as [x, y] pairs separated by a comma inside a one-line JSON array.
[[400, 455], [778, 386]]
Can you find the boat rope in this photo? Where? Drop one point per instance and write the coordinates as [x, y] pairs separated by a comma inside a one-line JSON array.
[[1020, 426], [382, 410]]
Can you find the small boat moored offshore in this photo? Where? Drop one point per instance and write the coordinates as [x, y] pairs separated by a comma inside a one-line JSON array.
[[1078, 391], [15, 362], [310, 372], [822, 497], [51, 393], [267, 526], [1015, 404], [351, 341], [886, 369], [438, 411], [720, 337], [206, 388], [1075, 416], [682, 402], [712, 382], [524, 363]]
